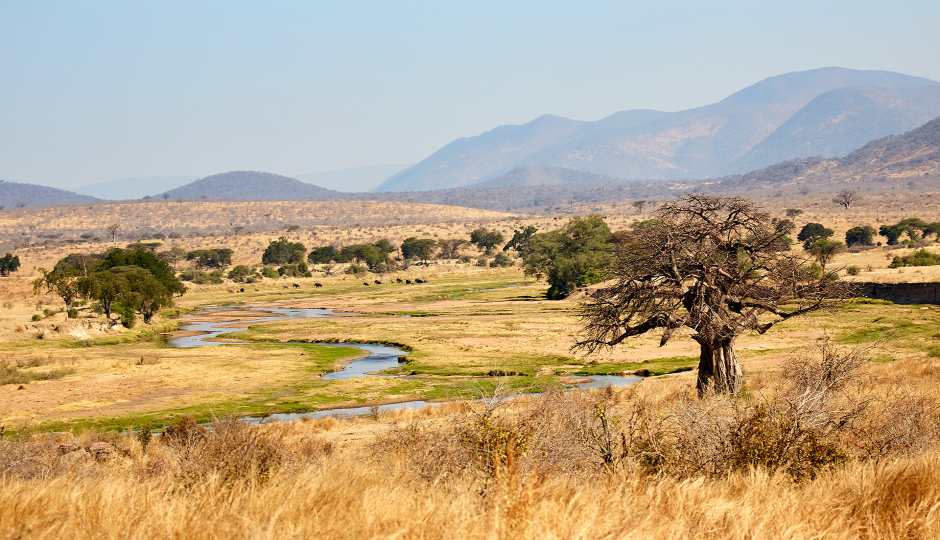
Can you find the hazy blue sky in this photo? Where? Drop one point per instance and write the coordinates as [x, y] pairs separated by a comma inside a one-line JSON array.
[[92, 91]]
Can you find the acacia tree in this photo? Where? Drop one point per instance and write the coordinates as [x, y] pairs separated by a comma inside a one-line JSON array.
[[716, 265], [845, 198]]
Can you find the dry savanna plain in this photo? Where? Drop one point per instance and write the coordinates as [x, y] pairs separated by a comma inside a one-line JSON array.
[[107, 432]]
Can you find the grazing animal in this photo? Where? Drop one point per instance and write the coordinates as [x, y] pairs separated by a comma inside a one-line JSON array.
[[408, 281], [419, 280], [285, 286], [364, 283], [399, 280], [377, 282], [296, 286], [241, 290], [318, 285]]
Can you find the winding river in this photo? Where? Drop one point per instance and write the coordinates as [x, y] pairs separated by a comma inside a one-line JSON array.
[[380, 358]]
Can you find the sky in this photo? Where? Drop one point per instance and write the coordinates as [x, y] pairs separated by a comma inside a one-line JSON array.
[[92, 91]]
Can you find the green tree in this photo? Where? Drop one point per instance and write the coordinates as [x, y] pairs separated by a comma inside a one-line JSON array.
[[824, 250], [486, 239], [282, 251], [160, 269], [577, 254], [322, 255], [520, 238], [894, 233], [421, 248], [149, 294], [812, 232], [105, 287], [211, 258], [241, 273], [860, 236], [63, 282], [172, 256], [9, 263]]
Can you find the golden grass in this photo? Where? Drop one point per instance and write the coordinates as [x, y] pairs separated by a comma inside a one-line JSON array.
[[348, 479]]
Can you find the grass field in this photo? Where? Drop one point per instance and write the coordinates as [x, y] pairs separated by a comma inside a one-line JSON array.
[[649, 461]]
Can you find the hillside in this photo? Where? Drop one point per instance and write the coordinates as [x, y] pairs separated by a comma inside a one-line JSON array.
[[467, 160], [837, 122], [695, 143], [251, 185], [537, 175], [30, 195], [909, 160]]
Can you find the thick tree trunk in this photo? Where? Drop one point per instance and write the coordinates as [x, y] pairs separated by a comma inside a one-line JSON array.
[[718, 368]]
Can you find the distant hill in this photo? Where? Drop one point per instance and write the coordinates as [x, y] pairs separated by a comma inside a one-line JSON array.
[[13, 193], [537, 175], [251, 185], [909, 159], [357, 179], [696, 143], [468, 160], [124, 189], [837, 122]]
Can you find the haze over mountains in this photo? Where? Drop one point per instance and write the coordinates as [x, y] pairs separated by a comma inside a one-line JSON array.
[[827, 111], [766, 130]]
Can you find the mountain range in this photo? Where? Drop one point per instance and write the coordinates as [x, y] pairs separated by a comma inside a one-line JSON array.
[[827, 111]]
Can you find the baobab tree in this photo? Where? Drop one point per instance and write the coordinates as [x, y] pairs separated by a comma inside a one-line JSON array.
[[113, 229], [717, 265], [845, 198]]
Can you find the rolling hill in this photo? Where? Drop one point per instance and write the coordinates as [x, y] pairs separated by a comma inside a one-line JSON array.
[[251, 185], [13, 194], [715, 139]]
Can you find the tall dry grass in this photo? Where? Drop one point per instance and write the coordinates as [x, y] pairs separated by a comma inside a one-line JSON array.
[[831, 448]]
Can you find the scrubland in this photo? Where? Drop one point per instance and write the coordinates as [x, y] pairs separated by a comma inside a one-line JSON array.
[[828, 447], [835, 435]]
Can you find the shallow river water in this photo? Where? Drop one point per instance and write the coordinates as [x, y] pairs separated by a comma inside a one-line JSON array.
[[380, 358]]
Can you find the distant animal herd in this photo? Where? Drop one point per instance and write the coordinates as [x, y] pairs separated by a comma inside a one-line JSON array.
[[364, 283]]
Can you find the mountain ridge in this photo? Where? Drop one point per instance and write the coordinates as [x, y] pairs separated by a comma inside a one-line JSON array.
[[693, 143]]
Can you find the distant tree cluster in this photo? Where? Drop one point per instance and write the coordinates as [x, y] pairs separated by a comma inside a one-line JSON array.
[[122, 282]]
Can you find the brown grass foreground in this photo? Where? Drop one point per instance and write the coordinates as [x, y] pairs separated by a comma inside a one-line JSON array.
[[836, 449]]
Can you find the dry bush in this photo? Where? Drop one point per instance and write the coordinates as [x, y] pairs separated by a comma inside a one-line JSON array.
[[817, 415]]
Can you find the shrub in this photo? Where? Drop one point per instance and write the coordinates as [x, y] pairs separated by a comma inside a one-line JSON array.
[[501, 260], [241, 273], [853, 270], [269, 272], [355, 269], [482, 261], [36, 317], [921, 257]]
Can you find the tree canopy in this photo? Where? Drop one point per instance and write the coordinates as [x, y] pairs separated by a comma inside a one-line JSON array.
[[211, 258], [712, 264], [577, 254], [485, 239], [860, 236], [812, 232], [9, 263], [421, 248], [283, 251]]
